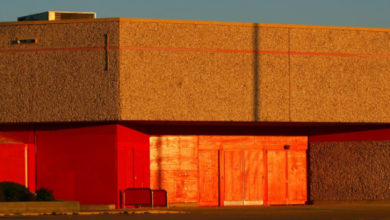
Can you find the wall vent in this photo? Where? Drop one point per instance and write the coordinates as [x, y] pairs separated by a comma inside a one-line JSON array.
[[25, 41], [58, 15]]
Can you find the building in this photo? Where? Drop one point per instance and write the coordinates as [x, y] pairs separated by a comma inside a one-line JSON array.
[[216, 113]]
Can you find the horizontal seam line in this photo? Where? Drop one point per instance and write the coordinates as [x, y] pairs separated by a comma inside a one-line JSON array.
[[194, 50]]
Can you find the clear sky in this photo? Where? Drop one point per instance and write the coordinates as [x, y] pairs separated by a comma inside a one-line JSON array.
[[356, 13]]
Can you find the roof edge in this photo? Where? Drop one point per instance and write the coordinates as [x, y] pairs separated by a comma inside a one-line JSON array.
[[15, 23], [251, 24], [147, 20]]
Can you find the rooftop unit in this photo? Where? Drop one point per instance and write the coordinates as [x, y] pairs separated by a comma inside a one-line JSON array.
[[57, 15]]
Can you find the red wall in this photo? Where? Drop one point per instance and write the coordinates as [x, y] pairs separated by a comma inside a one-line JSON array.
[[78, 162], [349, 133], [12, 156], [16, 138], [133, 157], [23, 133], [12, 168], [92, 164]]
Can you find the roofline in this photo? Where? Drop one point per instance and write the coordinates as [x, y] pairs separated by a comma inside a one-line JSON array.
[[16, 23], [75, 12], [193, 22]]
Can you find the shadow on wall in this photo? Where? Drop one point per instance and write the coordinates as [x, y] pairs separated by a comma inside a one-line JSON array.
[[159, 155], [256, 55]]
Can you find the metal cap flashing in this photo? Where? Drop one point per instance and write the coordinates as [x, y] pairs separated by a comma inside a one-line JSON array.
[[57, 15]]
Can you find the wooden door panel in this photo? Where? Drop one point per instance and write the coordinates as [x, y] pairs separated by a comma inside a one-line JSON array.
[[208, 178], [254, 177], [233, 177], [174, 167], [186, 186], [165, 179], [191, 186], [276, 164], [297, 186]]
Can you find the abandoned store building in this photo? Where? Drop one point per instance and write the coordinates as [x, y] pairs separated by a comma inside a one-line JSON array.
[[215, 113]]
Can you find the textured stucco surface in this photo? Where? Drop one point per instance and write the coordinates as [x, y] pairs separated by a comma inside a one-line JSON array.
[[63, 85], [339, 41], [57, 35], [273, 98], [167, 71], [349, 170], [329, 82], [339, 88], [191, 85], [185, 86]]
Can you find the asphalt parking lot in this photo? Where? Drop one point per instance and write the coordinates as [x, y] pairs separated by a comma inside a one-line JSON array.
[[333, 212]]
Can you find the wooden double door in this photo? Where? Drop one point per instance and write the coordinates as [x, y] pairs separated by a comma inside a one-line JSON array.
[[252, 176]]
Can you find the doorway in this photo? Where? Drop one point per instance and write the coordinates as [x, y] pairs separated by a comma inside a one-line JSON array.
[[252, 175], [243, 177]]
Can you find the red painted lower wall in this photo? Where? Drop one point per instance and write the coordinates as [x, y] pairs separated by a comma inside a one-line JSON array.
[[349, 133], [78, 162], [133, 157], [93, 163], [31, 168], [24, 133], [13, 159], [12, 167]]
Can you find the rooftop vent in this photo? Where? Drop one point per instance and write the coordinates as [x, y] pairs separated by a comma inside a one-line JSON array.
[[58, 15]]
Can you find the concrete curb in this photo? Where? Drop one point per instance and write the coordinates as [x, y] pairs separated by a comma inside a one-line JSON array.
[[351, 202], [91, 208], [123, 212], [39, 207]]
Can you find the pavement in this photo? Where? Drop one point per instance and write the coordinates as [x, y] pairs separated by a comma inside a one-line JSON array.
[[301, 212]]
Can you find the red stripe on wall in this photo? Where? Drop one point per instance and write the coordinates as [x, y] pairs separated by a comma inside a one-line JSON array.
[[203, 50], [253, 51], [338, 54], [51, 50], [197, 50]]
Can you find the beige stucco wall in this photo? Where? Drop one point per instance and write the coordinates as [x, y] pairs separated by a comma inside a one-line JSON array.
[[196, 72], [340, 88], [180, 78], [55, 80], [193, 71]]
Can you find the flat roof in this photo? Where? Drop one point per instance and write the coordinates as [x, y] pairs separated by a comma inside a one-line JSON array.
[[15, 23], [75, 12]]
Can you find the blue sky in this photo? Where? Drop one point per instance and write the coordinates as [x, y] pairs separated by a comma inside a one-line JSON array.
[[356, 13]]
